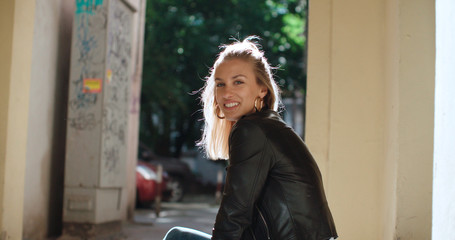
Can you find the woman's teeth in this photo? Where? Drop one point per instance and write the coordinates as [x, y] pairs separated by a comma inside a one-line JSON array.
[[231, 104]]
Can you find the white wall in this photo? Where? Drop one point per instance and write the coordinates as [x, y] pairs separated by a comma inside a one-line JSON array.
[[444, 131]]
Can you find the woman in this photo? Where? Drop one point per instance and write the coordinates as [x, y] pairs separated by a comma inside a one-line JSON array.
[[273, 186]]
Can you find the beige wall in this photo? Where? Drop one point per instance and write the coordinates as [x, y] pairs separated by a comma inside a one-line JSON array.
[[46, 125], [16, 19], [345, 109], [6, 42], [391, 147], [369, 113]]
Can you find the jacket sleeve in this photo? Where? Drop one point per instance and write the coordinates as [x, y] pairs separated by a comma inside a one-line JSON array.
[[246, 175]]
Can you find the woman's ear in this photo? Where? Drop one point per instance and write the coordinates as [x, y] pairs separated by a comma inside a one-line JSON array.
[[263, 91]]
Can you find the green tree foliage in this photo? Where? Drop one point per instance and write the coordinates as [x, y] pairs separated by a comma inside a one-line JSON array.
[[182, 38]]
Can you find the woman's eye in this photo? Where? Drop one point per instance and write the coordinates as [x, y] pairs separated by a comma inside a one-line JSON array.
[[238, 82], [219, 84]]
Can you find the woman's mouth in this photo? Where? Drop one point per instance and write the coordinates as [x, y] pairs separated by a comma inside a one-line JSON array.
[[231, 105]]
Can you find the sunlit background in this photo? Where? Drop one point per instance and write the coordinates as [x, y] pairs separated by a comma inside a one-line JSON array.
[[181, 41]]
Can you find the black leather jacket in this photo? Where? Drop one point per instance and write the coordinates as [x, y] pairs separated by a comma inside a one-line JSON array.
[[273, 186]]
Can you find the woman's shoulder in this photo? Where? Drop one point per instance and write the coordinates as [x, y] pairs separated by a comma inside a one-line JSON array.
[[266, 117], [246, 126], [264, 121]]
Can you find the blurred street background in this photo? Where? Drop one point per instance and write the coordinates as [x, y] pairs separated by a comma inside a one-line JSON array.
[[195, 211]]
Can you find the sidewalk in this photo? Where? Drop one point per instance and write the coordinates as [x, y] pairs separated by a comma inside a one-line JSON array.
[[196, 212]]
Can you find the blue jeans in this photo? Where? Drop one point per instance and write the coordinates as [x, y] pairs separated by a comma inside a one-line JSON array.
[[182, 233]]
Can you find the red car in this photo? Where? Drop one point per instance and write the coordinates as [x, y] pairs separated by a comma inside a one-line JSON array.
[[147, 188], [179, 173]]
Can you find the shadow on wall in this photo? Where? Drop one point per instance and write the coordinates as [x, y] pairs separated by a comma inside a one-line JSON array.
[[57, 167]]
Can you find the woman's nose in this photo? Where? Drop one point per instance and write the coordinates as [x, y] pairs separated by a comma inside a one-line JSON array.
[[228, 92]]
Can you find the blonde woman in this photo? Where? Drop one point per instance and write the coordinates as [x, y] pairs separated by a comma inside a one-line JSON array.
[[273, 186]]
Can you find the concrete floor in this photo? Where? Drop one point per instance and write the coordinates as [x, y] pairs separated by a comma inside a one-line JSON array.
[[197, 212]]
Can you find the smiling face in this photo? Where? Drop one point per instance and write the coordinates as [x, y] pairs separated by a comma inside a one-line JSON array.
[[236, 88]]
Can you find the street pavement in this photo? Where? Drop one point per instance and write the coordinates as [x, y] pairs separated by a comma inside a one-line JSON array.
[[197, 212]]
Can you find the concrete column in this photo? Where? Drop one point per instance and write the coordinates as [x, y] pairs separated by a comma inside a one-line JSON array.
[[106, 69], [98, 112], [345, 110], [135, 97], [370, 113], [16, 24], [409, 118]]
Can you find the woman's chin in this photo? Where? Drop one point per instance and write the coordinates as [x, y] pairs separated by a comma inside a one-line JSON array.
[[232, 118], [231, 115]]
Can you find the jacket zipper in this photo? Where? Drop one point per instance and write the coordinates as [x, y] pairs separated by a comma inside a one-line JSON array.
[[265, 223]]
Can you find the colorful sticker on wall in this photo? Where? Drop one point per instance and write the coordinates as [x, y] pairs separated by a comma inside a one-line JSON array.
[[109, 75], [92, 85]]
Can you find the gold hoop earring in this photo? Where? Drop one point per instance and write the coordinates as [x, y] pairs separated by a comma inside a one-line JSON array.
[[217, 112], [258, 108]]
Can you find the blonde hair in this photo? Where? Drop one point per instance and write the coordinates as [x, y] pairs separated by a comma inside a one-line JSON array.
[[215, 137]]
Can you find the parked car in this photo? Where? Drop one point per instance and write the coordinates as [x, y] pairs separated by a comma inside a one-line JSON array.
[[147, 187], [179, 173]]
